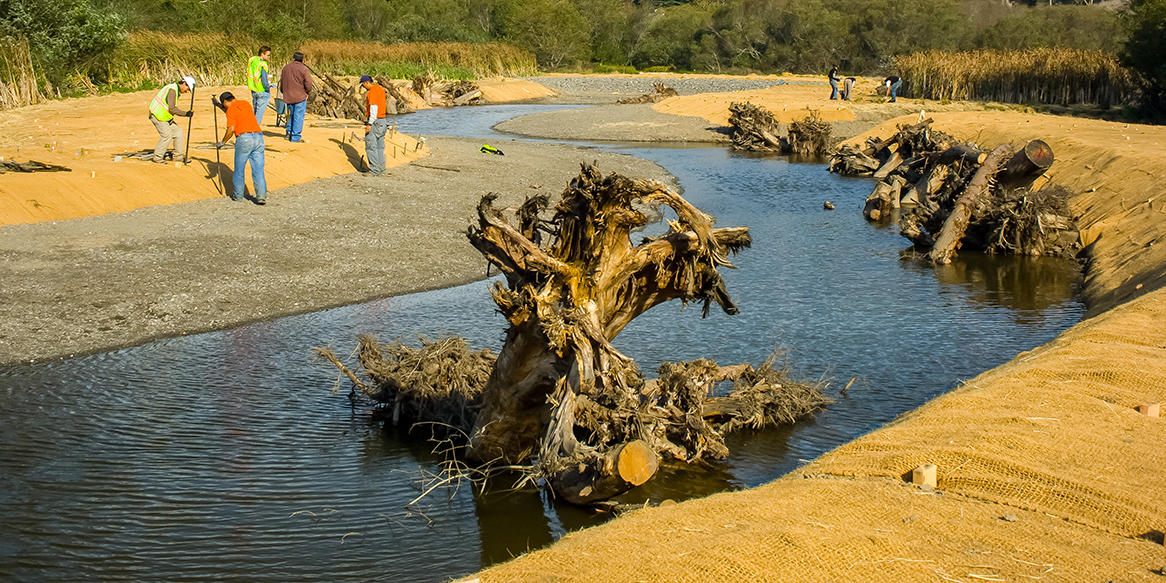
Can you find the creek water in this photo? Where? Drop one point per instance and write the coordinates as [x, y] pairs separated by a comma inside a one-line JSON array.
[[226, 456]]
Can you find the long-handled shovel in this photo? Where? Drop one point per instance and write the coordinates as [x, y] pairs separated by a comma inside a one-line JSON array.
[[189, 121], [215, 140]]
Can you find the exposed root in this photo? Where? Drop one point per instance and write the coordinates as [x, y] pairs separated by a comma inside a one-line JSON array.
[[660, 92]]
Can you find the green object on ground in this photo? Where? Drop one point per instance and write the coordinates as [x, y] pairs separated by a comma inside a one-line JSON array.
[[488, 149]]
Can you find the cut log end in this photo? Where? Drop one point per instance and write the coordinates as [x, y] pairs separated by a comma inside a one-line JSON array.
[[637, 462]]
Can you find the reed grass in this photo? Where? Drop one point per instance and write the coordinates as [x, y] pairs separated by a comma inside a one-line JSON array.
[[158, 58], [1052, 76], [18, 78]]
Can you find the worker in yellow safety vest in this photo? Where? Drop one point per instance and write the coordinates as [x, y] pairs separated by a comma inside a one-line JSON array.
[[163, 109], [259, 82]]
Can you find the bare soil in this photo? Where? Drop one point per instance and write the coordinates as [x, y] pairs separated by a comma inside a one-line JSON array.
[[98, 283]]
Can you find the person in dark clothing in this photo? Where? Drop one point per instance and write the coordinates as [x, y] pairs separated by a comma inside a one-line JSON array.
[[295, 82], [892, 83], [834, 79]]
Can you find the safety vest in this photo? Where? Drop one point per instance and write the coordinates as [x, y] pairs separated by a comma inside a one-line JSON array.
[[158, 104], [254, 74]]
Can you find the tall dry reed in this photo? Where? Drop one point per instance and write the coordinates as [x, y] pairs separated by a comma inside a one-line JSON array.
[[1036, 76], [18, 82], [150, 58]]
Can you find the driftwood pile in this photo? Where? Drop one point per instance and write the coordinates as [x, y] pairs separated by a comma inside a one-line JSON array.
[[446, 93], [955, 195], [559, 397], [334, 98], [755, 129], [659, 92]]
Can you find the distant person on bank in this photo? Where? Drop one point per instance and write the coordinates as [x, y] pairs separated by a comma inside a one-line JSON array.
[[295, 82], [259, 82], [892, 83], [834, 79], [163, 109], [847, 87], [249, 147], [376, 126]]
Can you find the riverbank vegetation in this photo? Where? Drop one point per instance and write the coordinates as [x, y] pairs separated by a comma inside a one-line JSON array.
[[78, 43]]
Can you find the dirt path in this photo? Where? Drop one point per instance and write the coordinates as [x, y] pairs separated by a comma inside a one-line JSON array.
[[103, 282]]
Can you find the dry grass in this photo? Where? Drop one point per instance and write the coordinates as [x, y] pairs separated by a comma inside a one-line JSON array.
[[152, 58], [18, 84], [1037, 76]]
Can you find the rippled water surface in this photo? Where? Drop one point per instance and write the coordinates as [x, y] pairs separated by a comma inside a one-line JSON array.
[[226, 456]]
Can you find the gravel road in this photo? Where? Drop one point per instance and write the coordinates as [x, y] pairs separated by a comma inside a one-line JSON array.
[[99, 283]]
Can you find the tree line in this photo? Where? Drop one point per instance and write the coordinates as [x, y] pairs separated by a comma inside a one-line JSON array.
[[802, 36]]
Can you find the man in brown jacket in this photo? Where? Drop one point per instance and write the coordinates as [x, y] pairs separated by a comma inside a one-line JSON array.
[[295, 82]]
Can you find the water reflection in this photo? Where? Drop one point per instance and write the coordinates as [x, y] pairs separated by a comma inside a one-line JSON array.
[[1024, 284]]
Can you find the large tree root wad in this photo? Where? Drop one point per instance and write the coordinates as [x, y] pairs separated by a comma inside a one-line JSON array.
[[335, 98], [754, 128], [559, 394], [957, 196]]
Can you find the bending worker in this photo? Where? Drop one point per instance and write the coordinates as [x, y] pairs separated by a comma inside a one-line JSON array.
[[163, 109], [259, 82], [376, 126], [249, 147]]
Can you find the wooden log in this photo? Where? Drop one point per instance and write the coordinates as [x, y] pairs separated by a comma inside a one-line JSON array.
[[889, 166], [1026, 165], [601, 477], [467, 97], [962, 152], [884, 198], [956, 224]]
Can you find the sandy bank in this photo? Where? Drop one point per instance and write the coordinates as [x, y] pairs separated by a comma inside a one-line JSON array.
[[1046, 470], [86, 134], [103, 282], [704, 117]]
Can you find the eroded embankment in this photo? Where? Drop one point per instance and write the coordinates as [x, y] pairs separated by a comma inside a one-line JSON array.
[[1046, 470]]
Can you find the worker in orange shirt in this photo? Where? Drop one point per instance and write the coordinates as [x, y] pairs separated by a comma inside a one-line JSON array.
[[376, 126], [249, 146]]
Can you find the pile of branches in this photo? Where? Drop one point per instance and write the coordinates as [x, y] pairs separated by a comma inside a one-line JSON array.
[[809, 137], [559, 397], [334, 98], [441, 382], [659, 92], [956, 195], [446, 93], [755, 129]]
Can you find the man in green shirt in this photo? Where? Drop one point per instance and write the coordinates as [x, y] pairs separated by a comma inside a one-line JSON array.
[[163, 109]]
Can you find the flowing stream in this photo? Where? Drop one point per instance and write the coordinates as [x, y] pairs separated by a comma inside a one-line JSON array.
[[226, 456]]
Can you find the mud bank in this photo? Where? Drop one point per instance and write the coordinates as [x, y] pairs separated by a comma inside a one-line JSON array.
[[1046, 470], [104, 282]]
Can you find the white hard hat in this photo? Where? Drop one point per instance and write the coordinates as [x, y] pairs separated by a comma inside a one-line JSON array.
[[189, 81]]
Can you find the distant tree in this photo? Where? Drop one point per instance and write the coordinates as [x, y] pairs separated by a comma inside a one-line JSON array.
[[65, 35], [1078, 27], [671, 37], [1145, 49], [551, 29]]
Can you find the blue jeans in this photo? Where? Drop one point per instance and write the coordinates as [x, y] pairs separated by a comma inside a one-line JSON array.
[[295, 120], [374, 146], [259, 104], [895, 88], [833, 89], [249, 148]]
